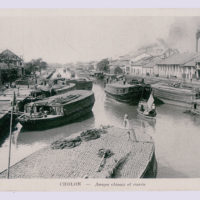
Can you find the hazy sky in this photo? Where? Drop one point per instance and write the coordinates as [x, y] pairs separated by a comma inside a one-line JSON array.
[[65, 39]]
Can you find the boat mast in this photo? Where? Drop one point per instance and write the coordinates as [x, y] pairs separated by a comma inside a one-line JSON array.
[[10, 136]]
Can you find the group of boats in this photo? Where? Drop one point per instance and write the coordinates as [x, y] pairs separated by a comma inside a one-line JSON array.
[[147, 96], [55, 102], [59, 101], [134, 93]]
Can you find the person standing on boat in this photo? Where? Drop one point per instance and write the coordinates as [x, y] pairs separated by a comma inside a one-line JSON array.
[[124, 80], [195, 106], [41, 112], [142, 108], [107, 80], [126, 121], [32, 110]]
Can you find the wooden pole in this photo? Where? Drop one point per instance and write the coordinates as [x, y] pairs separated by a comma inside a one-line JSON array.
[[0, 77], [10, 137]]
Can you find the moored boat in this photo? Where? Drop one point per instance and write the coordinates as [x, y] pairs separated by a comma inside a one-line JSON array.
[[57, 110], [129, 93], [64, 88], [175, 95], [79, 83]]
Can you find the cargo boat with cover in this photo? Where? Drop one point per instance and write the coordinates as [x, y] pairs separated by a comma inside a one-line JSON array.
[[129, 93], [175, 94], [80, 83], [57, 110]]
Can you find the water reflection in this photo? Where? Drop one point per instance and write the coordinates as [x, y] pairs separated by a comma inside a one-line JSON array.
[[3, 136], [50, 135]]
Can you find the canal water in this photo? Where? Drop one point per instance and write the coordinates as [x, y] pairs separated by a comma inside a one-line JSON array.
[[175, 133]]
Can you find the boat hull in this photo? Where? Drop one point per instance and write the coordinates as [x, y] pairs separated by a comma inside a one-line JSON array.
[[65, 89], [131, 97], [81, 84], [176, 102], [129, 93], [55, 122], [174, 96]]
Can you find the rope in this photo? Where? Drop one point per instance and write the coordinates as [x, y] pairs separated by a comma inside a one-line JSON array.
[[71, 143], [91, 134]]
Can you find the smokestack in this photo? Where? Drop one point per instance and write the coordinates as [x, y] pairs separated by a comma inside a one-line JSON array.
[[197, 39]]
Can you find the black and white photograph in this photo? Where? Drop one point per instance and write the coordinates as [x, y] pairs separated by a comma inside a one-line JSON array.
[[101, 97]]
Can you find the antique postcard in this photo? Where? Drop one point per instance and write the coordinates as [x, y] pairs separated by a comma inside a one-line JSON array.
[[99, 99]]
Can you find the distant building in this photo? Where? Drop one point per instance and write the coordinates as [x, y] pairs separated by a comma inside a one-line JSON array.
[[181, 65], [198, 68], [145, 65], [9, 60]]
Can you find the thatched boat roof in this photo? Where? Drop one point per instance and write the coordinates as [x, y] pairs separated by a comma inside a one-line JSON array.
[[68, 97]]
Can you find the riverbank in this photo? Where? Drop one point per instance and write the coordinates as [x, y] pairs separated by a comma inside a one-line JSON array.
[[129, 158]]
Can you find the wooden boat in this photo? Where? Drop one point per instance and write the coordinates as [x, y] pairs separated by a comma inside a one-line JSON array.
[[147, 109], [80, 83], [176, 94], [130, 93], [48, 91], [57, 110], [43, 92], [61, 89]]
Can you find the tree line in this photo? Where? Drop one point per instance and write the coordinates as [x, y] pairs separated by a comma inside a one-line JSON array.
[[9, 73], [35, 65], [104, 66]]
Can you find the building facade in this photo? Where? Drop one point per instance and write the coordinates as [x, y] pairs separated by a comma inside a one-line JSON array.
[[181, 66], [11, 66]]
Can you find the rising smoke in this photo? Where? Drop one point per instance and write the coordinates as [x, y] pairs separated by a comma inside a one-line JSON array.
[[182, 33]]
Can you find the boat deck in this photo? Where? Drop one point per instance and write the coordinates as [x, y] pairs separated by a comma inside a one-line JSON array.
[[168, 88], [120, 85], [35, 117], [69, 97], [83, 161]]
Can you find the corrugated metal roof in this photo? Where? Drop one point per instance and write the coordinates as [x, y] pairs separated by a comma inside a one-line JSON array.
[[148, 63], [180, 59]]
